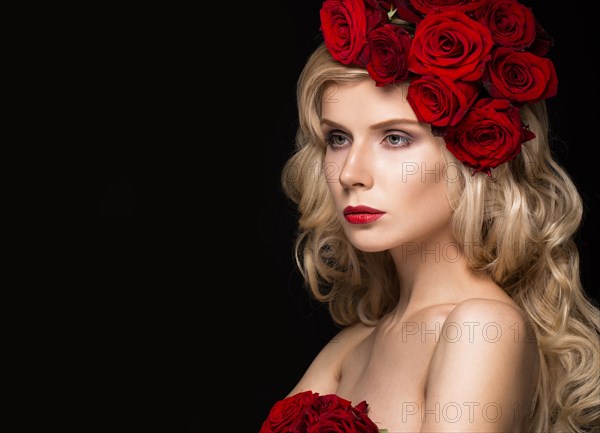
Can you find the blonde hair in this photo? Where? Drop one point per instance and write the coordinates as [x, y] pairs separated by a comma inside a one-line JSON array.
[[522, 221]]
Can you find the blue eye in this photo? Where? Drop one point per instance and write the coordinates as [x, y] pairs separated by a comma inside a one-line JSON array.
[[397, 140], [336, 140]]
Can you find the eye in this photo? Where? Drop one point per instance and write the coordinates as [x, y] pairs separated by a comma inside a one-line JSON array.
[[397, 140], [336, 140]]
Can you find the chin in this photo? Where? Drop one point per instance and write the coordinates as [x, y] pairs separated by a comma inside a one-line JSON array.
[[369, 245]]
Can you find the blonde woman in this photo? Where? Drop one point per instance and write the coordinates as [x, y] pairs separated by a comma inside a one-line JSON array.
[[440, 231]]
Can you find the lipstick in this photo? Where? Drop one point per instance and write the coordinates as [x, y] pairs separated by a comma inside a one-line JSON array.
[[362, 214]]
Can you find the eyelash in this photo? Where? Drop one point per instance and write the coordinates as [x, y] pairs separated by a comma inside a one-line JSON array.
[[406, 140]]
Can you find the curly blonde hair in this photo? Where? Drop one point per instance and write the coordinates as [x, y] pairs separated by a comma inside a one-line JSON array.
[[522, 221]]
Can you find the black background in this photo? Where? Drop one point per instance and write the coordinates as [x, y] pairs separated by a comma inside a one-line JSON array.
[[185, 288]]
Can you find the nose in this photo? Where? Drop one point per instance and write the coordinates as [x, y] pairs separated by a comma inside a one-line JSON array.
[[356, 171]]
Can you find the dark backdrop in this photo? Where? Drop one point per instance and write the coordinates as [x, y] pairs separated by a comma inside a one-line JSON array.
[[198, 296]]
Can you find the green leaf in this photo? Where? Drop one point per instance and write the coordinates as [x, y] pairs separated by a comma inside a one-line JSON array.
[[401, 22], [390, 15]]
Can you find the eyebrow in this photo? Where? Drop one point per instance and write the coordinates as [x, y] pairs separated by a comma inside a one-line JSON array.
[[381, 125]]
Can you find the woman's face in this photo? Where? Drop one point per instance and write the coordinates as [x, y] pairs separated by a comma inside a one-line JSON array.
[[385, 170]]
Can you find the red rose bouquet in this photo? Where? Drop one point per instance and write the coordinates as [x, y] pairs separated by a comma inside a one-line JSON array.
[[466, 61], [309, 412]]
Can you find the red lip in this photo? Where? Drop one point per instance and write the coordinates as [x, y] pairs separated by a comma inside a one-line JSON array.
[[362, 214]]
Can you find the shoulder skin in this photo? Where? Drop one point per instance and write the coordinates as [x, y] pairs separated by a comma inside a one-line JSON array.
[[483, 371], [323, 374]]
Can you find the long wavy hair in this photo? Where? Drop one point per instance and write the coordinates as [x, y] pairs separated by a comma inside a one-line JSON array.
[[522, 221]]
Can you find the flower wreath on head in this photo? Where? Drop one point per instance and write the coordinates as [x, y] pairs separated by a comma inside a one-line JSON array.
[[470, 65]]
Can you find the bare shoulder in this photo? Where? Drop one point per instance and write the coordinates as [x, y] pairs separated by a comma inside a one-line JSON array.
[[473, 320], [487, 354], [351, 335], [485, 306], [491, 319], [323, 374], [481, 326]]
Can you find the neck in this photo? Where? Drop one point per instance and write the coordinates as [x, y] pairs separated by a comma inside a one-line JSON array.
[[433, 273]]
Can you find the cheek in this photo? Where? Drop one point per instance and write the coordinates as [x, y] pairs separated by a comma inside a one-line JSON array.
[[331, 169], [436, 203], [334, 191], [433, 199], [420, 190]]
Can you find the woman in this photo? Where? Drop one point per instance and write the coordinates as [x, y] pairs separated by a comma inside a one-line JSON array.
[[440, 229]]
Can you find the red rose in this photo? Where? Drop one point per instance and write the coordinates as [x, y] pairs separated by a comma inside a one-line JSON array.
[[362, 408], [360, 412], [426, 6], [343, 421], [403, 10], [377, 13], [441, 102], [543, 41], [388, 47], [336, 415], [344, 27], [450, 45], [313, 414], [511, 24], [406, 11], [307, 412], [285, 412], [330, 402], [489, 135], [520, 76]]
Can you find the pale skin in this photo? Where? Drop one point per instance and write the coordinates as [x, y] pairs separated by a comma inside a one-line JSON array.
[[455, 354]]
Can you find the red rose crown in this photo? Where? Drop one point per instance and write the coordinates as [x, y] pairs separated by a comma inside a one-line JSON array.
[[471, 64]]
